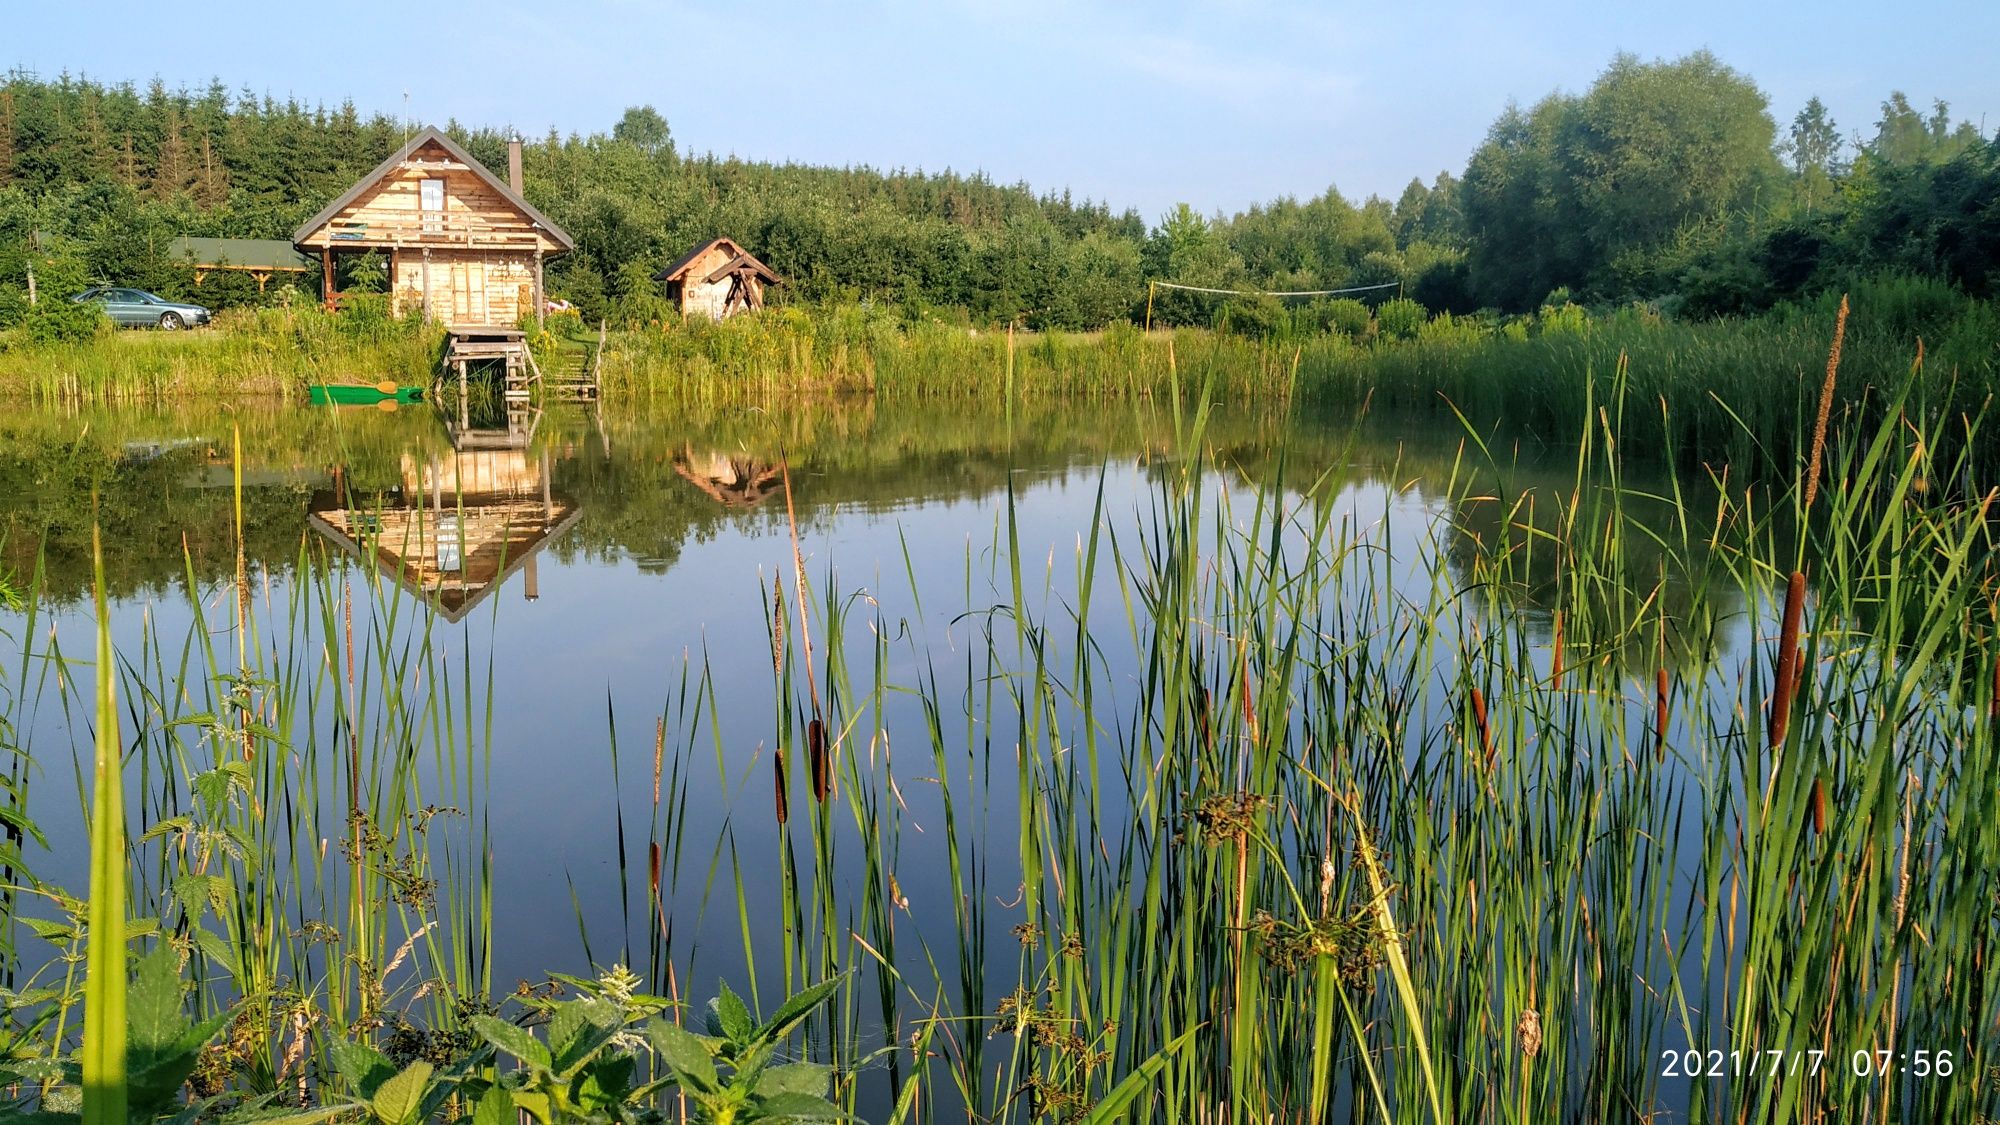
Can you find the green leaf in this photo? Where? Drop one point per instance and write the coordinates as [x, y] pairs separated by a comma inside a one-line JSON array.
[[55, 933], [728, 1017], [153, 1010], [605, 1082], [213, 787], [216, 950], [196, 892], [536, 1105], [578, 1030], [282, 1115], [104, 989], [797, 1008], [794, 1078], [686, 1053], [798, 1107], [513, 1040], [496, 1108], [173, 825], [1125, 1093], [400, 1098], [362, 1067]]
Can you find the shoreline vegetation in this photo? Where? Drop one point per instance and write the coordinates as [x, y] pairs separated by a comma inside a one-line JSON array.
[[1732, 390], [1349, 851]]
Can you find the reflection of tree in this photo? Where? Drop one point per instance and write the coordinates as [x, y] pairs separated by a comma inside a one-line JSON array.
[[1611, 559]]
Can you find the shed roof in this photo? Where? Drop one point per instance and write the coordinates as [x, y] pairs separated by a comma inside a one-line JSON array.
[[738, 258], [431, 134], [240, 253]]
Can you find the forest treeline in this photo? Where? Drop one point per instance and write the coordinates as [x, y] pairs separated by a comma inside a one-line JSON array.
[[1668, 181]]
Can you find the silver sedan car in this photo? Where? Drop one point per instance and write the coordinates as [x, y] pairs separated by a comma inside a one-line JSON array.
[[136, 308]]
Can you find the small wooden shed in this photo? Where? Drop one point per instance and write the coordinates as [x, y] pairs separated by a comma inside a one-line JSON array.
[[462, 245], [717, 279]]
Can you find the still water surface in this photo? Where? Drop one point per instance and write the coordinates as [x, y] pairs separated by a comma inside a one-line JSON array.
[[613, 565]]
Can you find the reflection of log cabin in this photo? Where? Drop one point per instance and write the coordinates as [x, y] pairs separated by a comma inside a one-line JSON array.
[[732, 479], [457, 528], [717, 279], [461, 245]]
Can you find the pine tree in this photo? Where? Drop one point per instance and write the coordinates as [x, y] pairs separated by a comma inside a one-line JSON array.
[[174, 169], [6, 137]]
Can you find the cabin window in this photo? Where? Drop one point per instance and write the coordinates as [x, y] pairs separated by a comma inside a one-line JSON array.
[[430, 199]]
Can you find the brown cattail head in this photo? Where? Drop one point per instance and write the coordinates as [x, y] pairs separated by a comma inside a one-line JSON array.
[[780, 798], [1556, 644], [1528, 1033], [1479, 720], [1662, 695], [1249, 705], [1201, 720], [1788, 658], [1825, 405], [653, 867], [817, 758], [777, 628], [1993, 706], [1819, 806]]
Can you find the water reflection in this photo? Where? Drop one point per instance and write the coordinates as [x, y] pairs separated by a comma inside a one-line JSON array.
[[732, 480], [455, 528]]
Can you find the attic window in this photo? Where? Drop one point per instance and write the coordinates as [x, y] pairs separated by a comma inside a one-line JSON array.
[[430, 199]]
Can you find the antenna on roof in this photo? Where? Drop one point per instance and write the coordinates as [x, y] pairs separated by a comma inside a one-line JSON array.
[[406, 115]]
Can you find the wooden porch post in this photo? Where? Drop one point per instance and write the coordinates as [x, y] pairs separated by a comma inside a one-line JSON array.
[[326, 282], [541, 296]]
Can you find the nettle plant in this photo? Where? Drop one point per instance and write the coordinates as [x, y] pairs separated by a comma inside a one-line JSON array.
[[586, 1071], [610, 1056], [585, 1068]]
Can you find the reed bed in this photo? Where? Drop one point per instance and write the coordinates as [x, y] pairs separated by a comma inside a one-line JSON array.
[[1258, 807]]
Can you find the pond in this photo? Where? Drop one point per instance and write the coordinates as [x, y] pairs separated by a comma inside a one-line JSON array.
[[1061, 729]]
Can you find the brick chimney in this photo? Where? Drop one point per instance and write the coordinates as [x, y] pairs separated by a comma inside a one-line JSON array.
[[514, 165]]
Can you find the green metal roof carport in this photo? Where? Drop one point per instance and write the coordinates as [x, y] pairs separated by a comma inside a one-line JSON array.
[[258, 257]]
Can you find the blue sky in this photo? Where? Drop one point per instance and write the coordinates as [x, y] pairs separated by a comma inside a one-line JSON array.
[[1220, 104]]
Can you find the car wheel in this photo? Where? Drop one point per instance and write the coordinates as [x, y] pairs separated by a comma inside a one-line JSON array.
[[171, 321]]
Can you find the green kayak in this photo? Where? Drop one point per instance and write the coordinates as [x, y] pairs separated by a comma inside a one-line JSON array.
[[323, 394]]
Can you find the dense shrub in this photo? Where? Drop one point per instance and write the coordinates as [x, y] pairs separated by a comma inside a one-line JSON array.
[[1399, 319]]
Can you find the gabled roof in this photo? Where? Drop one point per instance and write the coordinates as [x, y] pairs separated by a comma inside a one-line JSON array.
[[738, 258], [743, 261], [430, 134]]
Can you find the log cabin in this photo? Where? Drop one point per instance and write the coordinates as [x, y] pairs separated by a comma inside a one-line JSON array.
[[461, 245], [717, 279]]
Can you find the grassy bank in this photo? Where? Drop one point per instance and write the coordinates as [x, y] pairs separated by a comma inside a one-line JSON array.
[[248, 352]]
